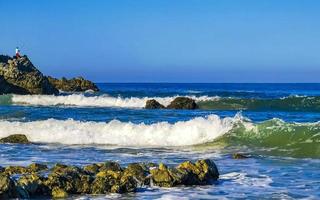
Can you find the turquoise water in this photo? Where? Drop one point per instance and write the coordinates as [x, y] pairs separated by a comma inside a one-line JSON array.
[[277, 125]]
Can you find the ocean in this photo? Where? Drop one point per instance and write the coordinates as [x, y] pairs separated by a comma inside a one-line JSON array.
[[276, 125]]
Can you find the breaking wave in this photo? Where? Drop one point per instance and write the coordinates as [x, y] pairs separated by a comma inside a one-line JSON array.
[[195, 131], [94, 101], [290, 103], [277, 136]]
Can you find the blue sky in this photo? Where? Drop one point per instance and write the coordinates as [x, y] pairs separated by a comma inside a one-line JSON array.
[[167, 40]]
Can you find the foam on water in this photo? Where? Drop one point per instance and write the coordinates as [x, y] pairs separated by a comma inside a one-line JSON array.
[[97, 101], [195, 131]]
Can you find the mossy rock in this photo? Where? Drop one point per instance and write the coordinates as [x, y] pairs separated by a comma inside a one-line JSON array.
[[58, 193], [16, 139]]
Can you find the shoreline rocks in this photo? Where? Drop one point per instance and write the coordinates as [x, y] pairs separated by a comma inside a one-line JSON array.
[[62, 181], [20, 76], [181, 103]]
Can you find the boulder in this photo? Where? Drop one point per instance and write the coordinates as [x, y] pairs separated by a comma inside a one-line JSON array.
[[16, 138], [78, 84], [20, 76], [183, 103], [153, 104]]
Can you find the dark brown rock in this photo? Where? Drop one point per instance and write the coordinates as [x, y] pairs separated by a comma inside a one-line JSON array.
[[20, 76], [153, 104], [78, 84], [183, 103], [16, 138]]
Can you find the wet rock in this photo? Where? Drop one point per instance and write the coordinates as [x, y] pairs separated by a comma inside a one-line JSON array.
[[33, 184], [20, 76], [92, 169], [7, 187], [153, 104], [110, 165], [200, 173], [16, 138], [36, 167], [183, 103], [239, 156], [78, 84], [16, 170], [138, 171], [161, 176], [58, 193]]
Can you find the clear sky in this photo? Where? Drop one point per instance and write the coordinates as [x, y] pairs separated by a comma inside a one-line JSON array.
[[167, 40]]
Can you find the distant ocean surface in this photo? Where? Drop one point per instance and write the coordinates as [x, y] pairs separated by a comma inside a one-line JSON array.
[[277, 125]]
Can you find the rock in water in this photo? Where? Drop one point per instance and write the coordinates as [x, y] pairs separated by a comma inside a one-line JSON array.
[[20, 76], [239, 156], [16, 138], [73, 85], [183, 103], [153, 104]]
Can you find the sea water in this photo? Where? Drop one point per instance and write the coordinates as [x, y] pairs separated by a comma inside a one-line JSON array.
[[276, 125]]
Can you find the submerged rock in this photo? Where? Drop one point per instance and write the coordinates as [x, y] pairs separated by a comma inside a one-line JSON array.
[[239, 156], [183, 103], [78, 84], [20, 76], [16, 138], [153, 104]]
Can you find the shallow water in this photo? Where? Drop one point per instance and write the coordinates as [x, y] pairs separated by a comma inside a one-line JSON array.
[[282, 141]]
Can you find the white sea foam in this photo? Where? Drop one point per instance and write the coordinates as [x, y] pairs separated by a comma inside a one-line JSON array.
[[96, 101], [195, 131]]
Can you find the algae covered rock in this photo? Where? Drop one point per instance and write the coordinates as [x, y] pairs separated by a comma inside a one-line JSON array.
[[153, 104], [36, 167], [34, 184], [59, 193], [16, 138], [16, 170], [78, 84], [183, 103]]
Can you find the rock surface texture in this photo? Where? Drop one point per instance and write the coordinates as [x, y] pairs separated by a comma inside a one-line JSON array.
[[78, 84], [20, 76], [62, 181], [153, 104], [16, 138]]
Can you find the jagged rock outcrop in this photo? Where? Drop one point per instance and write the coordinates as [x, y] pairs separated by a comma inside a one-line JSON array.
[[62, 180], [15, 138], [183, 103], [78, 84], [153, 104], [20, 76]]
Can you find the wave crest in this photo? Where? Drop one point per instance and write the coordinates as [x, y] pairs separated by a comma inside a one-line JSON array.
[[195, 131]]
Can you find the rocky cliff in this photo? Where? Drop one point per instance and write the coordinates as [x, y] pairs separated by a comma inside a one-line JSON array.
[[20, 76]]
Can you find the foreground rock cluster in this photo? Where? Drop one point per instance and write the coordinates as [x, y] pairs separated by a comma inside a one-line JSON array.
[[177, 103], [20, 76], [37, 180]]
